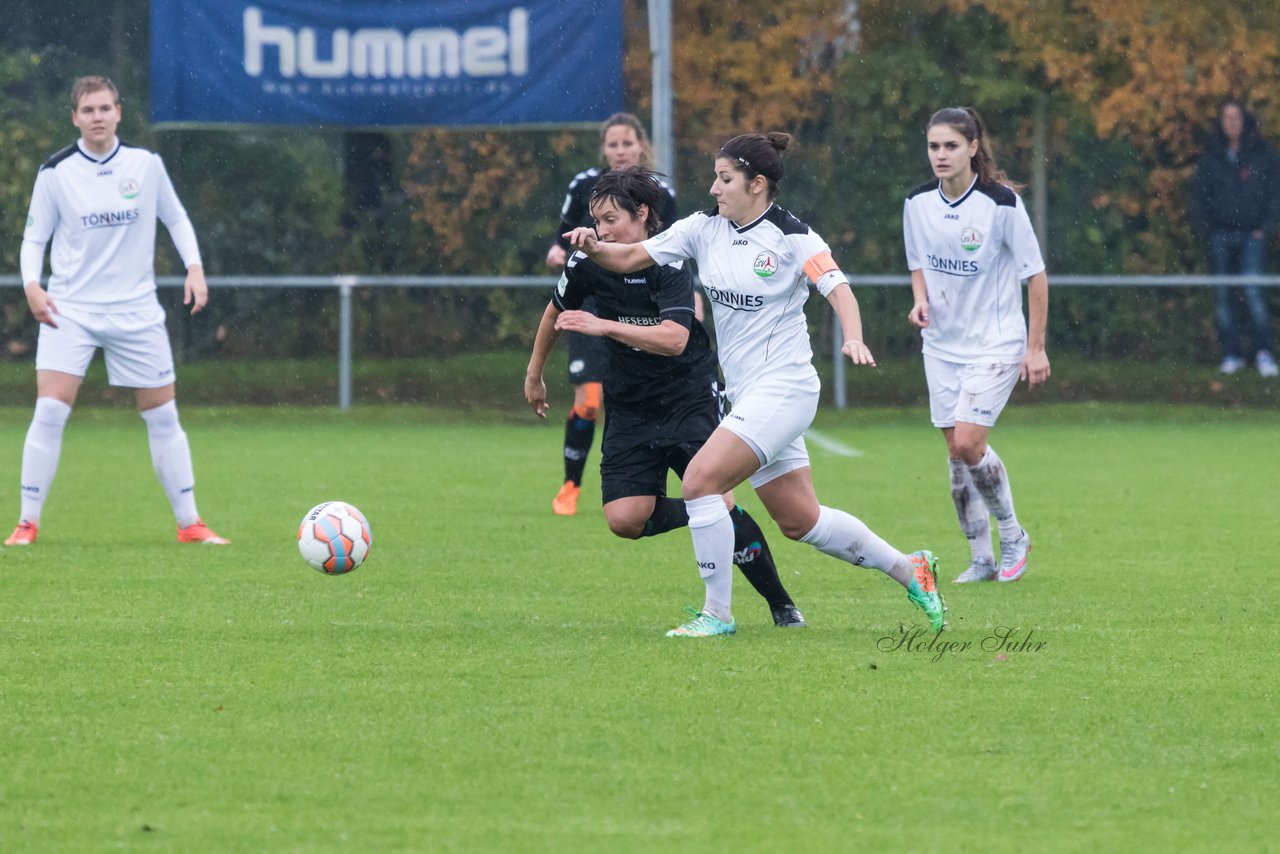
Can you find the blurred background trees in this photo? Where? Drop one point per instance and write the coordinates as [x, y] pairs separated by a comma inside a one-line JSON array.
[[1128, 93]]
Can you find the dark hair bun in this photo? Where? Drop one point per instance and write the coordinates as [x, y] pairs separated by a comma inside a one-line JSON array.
[[780, 141]]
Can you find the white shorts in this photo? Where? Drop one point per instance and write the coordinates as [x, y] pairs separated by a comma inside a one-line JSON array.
[[974, 394], [135, 345], [772, 420]]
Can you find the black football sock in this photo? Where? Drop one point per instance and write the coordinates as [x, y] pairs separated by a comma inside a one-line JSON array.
[[668, 514], [752, 556], [578, 435]]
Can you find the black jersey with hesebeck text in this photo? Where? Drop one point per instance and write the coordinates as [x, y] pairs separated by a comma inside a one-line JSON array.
[[636, 379]]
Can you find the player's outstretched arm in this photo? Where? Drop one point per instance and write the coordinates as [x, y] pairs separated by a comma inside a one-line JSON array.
[[535, 388], [618, 257], [846, 307], [1035, 363]]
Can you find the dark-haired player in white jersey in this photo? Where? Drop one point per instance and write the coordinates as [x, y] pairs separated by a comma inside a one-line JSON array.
[[98, 200], [623, 143], [756, 262], [969, 247], [662, 392]]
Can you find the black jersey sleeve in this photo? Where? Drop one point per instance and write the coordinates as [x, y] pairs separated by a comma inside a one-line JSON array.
[[575, 284], [576, 210], [674, 294], [668, 213]]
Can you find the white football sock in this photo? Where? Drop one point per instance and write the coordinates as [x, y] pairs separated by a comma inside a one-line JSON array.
[[971, 510], [40, 455], [848, 538], [992, 482], [171, 458], [712, 531]]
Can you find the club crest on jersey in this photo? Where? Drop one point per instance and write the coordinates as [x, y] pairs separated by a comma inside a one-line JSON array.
[[562, 284], [129, 188], [970, 239], [765, 265], [30, 221]]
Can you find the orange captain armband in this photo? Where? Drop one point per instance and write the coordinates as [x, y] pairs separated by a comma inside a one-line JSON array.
[[823, 272]]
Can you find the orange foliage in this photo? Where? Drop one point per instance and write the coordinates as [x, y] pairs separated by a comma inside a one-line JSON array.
[[1153, 73]]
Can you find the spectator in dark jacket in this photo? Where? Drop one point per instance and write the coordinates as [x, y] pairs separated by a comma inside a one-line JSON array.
[[1235, 203]]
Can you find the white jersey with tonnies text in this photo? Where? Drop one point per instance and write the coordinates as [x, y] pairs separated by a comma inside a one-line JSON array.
[[754, 277], [101, 215], [974, 252]]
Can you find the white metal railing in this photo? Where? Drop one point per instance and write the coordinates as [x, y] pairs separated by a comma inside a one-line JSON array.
[[347, 283]]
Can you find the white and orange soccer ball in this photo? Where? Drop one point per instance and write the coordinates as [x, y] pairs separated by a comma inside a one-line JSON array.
[[334, 537]]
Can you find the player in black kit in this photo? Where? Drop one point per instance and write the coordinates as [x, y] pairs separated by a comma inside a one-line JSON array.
[[661, 388], [623, 143]]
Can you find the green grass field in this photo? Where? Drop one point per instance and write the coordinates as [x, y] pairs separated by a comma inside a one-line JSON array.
[[497, 678]]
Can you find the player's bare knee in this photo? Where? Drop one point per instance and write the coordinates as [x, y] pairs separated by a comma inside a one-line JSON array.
[[625, 525]]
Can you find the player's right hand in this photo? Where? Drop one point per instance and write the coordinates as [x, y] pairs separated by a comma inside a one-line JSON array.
[[582, 238], [42, 307], [919, 315], [535, 391]]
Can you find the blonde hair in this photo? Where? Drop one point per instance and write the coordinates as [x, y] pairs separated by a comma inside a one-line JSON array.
[[88, 85], [627, 120]]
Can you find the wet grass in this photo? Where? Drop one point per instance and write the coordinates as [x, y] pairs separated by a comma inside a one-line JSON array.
[[496, 678]]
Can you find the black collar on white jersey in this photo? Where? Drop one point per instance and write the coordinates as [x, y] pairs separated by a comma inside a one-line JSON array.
[[91, 158], [742, 228], [966, 194]]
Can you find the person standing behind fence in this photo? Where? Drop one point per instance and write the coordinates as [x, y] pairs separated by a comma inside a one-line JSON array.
[[1235, 205], [98, 200], [969, 246], [623, 143]]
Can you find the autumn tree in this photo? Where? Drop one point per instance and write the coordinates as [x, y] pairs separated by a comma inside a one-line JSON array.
[[1152, 73]]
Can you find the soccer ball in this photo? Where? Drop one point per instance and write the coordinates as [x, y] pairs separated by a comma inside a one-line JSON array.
[[334, 537]]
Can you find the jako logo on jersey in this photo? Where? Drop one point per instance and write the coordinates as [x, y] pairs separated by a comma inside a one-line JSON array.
[[954, 266], [970, 239], [382, 52], [110, 219], [103, 173], [734, 300], [129, 188], [739, 242], [765, 265]]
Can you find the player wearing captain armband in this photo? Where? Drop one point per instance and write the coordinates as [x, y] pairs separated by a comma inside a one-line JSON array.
[[98, 200], [662, 395], [757, 261]]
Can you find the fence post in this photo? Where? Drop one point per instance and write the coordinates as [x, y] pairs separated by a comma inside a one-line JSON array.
[[837, 362], [344, 343]]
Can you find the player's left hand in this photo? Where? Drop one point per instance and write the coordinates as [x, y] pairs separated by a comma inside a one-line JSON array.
[[858, 353], [535, 391], [581, 321], [582, 238], [1035, 367], [196, 291]]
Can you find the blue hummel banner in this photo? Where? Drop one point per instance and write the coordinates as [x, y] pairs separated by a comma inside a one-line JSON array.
[[385, 63]]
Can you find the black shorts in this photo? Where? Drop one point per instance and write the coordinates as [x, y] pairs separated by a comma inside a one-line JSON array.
[[640, 446], [588, 358]]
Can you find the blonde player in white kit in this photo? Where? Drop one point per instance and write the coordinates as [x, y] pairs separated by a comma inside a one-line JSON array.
[[969, 246], [757, 262], [98, 200]]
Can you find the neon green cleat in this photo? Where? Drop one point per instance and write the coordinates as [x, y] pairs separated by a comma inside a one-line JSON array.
[[703, 626], [924, 590]]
